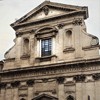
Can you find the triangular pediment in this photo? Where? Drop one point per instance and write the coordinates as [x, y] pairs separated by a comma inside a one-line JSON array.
[[46, 10]]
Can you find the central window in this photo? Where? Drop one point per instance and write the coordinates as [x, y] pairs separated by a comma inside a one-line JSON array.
[[46, 46]]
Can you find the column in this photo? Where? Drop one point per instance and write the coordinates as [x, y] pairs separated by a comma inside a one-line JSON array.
[[80, 87], [61, 92], [77, 37], [19, 50]]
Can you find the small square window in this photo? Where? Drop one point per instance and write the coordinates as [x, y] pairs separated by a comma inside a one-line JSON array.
[[46, 45]]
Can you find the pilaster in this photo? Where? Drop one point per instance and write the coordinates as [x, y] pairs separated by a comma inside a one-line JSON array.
[[61, 92]]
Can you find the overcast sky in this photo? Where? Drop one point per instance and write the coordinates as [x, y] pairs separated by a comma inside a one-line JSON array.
[[10, 10]]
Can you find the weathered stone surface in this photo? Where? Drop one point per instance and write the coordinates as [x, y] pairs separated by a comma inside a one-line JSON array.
[[70, 72]]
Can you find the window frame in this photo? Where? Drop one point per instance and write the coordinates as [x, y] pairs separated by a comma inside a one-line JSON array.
[[46, 47]]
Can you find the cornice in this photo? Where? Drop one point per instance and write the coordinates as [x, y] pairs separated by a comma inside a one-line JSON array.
[[65, 7], [55, 65], [48, 19]]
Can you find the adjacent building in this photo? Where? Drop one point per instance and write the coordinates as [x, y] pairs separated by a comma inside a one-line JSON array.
[[54, 58]]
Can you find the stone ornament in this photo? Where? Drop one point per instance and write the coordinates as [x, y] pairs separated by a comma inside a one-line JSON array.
[[15, 84], [96, 76], [46, 10], [30, 82], [77, 21], [60, 80], [79, 78]]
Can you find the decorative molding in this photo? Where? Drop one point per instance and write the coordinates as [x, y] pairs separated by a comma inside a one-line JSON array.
[[9, 59], [69, 49], [90, 47], [45, 32], [45, 58], [25, 56]]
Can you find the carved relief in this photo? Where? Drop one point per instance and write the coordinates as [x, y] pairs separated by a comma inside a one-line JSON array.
[[96, 76], [94, 41], [77, 21], [61, 25], [3, 85], [30, 82], [46, 10], [60, 80]]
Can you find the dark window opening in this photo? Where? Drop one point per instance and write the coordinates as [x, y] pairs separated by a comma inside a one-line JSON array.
[[46, 46]]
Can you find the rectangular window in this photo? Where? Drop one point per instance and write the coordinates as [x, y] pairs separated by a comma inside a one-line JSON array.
[[46, 47]]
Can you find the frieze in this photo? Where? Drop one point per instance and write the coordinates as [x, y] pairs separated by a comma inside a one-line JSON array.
[[21, 74]]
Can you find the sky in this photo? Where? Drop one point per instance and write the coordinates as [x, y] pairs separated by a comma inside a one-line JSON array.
[[11, 10]]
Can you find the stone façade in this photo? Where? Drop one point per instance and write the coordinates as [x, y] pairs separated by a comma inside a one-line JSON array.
[[71, 72]]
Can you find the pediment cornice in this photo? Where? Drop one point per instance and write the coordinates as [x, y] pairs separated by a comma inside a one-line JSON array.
[[69, 10], [38, 21]]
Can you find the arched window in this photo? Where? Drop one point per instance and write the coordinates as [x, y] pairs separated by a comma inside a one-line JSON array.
[[26, 46], [70, 97]]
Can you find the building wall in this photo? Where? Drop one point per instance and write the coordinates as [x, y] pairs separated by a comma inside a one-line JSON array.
[[72, 71]]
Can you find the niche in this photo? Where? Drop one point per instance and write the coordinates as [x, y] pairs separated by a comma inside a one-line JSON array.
[[26, 47], [68, 38]]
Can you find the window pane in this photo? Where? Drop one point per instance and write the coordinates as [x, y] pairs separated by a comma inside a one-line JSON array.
[[46, 47]]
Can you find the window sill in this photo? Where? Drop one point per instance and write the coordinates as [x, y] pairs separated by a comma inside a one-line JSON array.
[[46, 58]]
